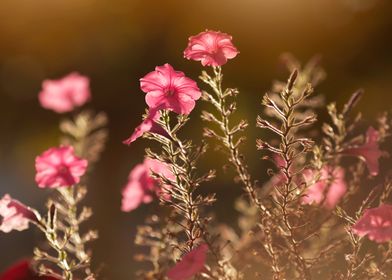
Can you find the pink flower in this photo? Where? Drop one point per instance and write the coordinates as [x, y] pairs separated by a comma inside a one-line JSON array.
[[212, 48], [148, 125], [328, 190], [59, 167], [376, 223], [14, 215], [170, 89], [65, 94], [190, 264], [368, 152], [141, 186]]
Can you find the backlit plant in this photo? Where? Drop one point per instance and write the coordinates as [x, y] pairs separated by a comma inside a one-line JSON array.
[[321, 211]]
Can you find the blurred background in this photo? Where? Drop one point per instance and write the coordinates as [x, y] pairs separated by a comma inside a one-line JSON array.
[[116, 42]]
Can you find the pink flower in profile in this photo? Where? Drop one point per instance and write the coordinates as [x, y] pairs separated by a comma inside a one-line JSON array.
[[376, 223], [14, 215], [148, 125], [65, 94], [212, 48], [59, 167], [141, 186], [191, 264], [369, 151], [329, 188], [170, 89]]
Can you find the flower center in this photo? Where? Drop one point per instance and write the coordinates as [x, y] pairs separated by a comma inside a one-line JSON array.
[[63, 169], [170, 91]]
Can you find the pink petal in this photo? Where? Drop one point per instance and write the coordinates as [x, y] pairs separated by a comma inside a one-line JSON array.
[[59, 167], [368, 152], [156, 99], [376, 223], [133, 196], [65, 94], [190, 264], [14, 215], [212, 48], [142, 186], [329, 189], [148, 125], [167, 88]]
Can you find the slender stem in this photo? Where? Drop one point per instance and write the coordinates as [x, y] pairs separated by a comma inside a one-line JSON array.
[[236, 158], [288, 153], [61, 260], [185, 184], [235, 155]]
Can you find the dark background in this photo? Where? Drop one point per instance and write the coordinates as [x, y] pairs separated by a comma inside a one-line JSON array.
[[117, 42]]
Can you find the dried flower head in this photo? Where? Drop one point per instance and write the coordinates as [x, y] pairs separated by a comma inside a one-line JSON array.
[[212, 48], [142, 186], [376, 223], [328, 189], [15, 215], [170, 89], [22, 271], [65, 94], [59, 167], [369, 152], [191, 264], [148, 125]]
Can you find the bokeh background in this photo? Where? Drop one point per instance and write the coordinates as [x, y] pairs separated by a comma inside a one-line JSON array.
[[118, 41]]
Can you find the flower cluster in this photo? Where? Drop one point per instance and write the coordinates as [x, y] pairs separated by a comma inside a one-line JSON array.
[[60, 169], [321, 183], [323, 211]]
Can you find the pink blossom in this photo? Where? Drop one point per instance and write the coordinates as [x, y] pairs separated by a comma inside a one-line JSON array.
[[148, 125], [14, 215], [376, 223], [212, 48], [329, 188], [369, 151], [191, 264], [141, 186], [65, 94], [170, 89], [59, 167]]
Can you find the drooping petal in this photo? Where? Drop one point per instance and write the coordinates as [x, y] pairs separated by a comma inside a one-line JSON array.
[[148, 125], [14, 215]]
